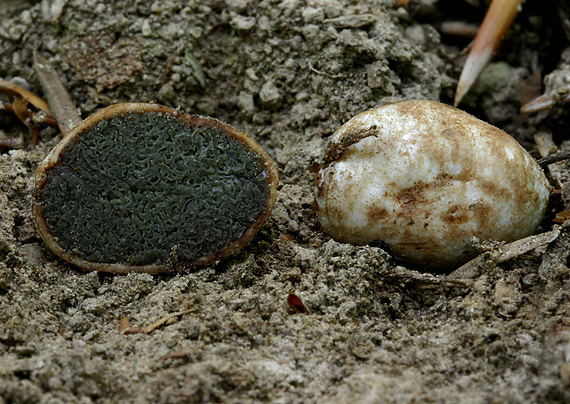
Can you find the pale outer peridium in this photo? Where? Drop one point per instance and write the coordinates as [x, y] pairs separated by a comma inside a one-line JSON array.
[[53, 157], [431, 179]]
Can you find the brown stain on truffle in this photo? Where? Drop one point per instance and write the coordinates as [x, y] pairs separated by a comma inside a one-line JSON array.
[[319, 184], [455, 215], [377, 213], [450, 133], [482, 212], [412, 195], [330, 206]]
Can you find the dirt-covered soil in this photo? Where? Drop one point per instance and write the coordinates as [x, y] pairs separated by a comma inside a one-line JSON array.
[[288, 73]]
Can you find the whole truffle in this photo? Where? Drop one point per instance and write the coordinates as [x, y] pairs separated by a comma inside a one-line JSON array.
[[147, 188], [425, 178]]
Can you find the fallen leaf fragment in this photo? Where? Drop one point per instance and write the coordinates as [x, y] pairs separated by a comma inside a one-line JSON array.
[[296, 304]]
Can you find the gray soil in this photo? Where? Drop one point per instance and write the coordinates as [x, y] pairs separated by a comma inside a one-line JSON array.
[[288, 73]]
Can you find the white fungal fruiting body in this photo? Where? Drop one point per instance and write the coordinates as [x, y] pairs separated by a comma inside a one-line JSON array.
[[424, 178]]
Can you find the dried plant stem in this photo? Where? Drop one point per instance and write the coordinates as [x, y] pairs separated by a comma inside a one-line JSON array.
[[60, 103], [554, 158], [504, 253], [497, 21]]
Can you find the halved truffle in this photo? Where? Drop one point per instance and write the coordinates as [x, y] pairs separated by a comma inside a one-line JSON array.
[[147, 188]]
